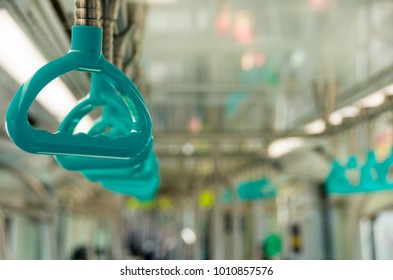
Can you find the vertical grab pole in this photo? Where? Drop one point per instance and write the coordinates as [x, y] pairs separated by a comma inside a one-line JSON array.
[[4, 250], [352, 227], [237, 234], [235, 215], [216, 225], [109, 18], [197, 248], [218, 235]]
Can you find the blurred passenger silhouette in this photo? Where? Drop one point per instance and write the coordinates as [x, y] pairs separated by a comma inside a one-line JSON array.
[[80, 253]]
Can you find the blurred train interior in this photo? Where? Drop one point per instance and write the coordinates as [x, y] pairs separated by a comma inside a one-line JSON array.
[[260, 129]]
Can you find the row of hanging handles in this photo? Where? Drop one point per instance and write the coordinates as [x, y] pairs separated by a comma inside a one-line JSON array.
[[118, 149], [355, 175]]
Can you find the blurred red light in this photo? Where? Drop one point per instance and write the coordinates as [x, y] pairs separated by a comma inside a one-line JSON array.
[[195, 125], [318, 4]]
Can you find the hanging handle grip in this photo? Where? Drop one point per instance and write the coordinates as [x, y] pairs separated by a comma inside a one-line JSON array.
[[142, 171], [88, 163], [120, 119], [85, 55], [100, 96], [112, 119]]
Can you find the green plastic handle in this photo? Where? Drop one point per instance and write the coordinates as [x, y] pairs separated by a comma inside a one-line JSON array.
[[112, 122], [139, 188], [85, 55], [138, 193], [135, 188], [148, 168], [97, 175], [88, 163], [101, 95]]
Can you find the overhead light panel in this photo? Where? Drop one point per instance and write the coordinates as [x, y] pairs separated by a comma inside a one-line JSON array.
[[388, 90], [283, 146], [21, 59], [335, 118], [160, 2], [349, 111], [338, 116], [373, 100], [315, 127]]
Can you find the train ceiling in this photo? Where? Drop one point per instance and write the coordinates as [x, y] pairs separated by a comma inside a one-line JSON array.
[[225, 78]]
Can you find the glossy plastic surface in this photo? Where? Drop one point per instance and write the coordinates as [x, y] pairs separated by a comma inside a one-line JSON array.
[[260, 189], [115, 115], [338, 182], [144, 170], [384, 169], [141, 189], [365, 177], [101, 94], [85, 55], [149, 170]]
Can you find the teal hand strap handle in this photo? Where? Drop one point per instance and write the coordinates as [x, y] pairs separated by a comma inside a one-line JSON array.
[[86, 163], [142, 194], [138, 188], [99, 165], [102, 94], [384, 170], [260, 189], [352, 173], [335, 178], [98, 175], [113, 116], [109, 124], [338, 180], [369, 175], [143, 171], [85, 55], [112, 123]]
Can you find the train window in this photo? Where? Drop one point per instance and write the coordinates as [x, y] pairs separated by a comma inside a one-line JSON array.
[[366, 239], [377, 236], [383, 235], [4, 236]]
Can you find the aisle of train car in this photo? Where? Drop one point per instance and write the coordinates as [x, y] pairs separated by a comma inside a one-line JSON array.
[[261, 129]]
